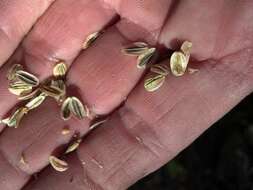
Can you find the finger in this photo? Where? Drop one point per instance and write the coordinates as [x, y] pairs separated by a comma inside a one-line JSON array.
[[151, 128], [59, 34], [106, 49], [16, 24]]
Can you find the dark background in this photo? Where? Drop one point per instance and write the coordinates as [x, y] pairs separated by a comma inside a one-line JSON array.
[[221, 159]]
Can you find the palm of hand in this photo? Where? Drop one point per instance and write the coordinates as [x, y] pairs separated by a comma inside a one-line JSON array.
[[149, 128]]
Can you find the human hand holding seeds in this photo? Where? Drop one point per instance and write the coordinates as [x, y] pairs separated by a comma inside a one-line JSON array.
[[136, 124]]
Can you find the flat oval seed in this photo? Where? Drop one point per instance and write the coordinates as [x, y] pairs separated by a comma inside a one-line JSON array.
[[186, 47], [77, 108], [60, 69], [51, 91], [154, 83], [136, 49], [90, 39], [160, 69], [36, 102], [73, 146], [57, 164], [65, 109], [19, 87], [178, 63], [27, 78], [144, 58], [28, 95], [12, 72]]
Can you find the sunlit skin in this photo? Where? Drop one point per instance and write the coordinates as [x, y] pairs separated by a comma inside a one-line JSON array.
[[144, 130]]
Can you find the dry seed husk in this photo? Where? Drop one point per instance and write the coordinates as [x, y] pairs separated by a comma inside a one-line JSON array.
[[77, 108], [73, 146], [57, 164], [160, 69], [11, 75], [144, 58], [178, 63], [136, 49], [65, 109], [27, 78], [154, 83], [60, 69], [90, 39], [36, 102], [19, 87], [15, 119]]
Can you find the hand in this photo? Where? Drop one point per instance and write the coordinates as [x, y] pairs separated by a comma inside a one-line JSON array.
[[149, 129]]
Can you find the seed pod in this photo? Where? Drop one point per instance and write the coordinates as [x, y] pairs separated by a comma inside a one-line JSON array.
[[11, 75], [65, 109], [136, 49], [15, 119], [60, 69], [154, 83], [90, 39], [77, 108], [73, 146], [57, 164], [160, 69], [144, 58], [178, 63], [19, 87], [27, 78], [36, 102]]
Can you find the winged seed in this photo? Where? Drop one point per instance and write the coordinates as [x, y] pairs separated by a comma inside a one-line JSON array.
[[73, 146], [51, 91], [90, 39], [144, 58], [60, 69], [27, 78], [57, 164], [160, 69], [154, 83], [36, 102], [178, 63], [28, 95]]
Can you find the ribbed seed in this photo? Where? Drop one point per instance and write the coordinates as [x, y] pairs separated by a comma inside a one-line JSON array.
[[77, 108], [154, 83], [60, 69], [65, 109], [28, 95], [11, 75], [186, 47], [73, 146], [160, 69], [15, 119], [36, 102], [51, 91], [90, 39], [178, 63], [27, 78], [19, 87], [97, 122], [136, 49], [57, 164], [144, 58]]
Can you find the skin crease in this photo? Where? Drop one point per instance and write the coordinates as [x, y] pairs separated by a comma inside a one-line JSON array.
[[149, 129]]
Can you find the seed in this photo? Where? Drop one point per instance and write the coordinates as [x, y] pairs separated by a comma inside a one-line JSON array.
[[160, 69], [154, 83], [60, 69], [77, 108], [15, 119], [28, 95], [144, 58], [19, 87], [90, 39], [186, 47], [36, 102], [178, 63], [22, 159], [97, 122], [27, 78], [73, 146], [136, 49], [65, 131], [57, 164], [65, 109], [51, 91], [192, 71], [60, 85], [11, 75]]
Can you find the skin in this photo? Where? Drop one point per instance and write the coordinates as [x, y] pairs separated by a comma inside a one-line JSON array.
[[144, 130]]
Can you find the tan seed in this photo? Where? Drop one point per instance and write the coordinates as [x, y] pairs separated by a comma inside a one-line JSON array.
[[97, 122], [73, 146], [186, 47], [36, 102], [11, 75], [65, 109], [90, 39], [144, 59], [77, 108], [60, 69], [27, 78], [154, 83], [160, 69], [28, 95], [57, 164], [178, 63], [15, 119], [136, 49], [51, 91], [19, 87]]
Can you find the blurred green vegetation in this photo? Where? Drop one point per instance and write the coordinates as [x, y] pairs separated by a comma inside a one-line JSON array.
[[221, 159]]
